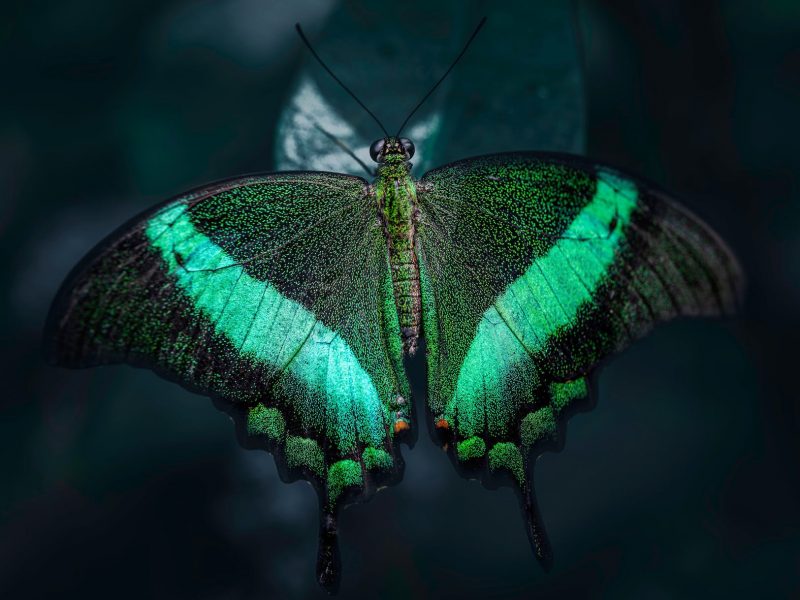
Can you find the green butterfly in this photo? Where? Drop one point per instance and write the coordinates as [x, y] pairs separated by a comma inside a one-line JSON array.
[[293, 298]]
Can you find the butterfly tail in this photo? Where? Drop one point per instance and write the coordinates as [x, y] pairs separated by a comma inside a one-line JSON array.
[[534, 526], [328, 559]]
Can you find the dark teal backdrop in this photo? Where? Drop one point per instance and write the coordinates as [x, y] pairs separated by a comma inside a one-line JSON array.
[[683, 481]]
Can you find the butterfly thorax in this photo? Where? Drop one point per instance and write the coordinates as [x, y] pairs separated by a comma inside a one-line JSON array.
[[397, 208]]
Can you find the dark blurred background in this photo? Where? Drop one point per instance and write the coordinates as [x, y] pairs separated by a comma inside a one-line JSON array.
[[682, 482]]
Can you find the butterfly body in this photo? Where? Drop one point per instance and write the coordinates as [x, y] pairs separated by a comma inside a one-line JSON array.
[[396, 195]]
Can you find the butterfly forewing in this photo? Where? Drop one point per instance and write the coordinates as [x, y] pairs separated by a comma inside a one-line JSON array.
[[534, 268], [271, 293]]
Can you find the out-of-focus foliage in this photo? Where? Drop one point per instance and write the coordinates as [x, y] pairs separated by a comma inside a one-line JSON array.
[[517, 88]]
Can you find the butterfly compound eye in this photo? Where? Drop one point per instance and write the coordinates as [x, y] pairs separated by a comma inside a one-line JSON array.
[[376, 149], [408, 146]]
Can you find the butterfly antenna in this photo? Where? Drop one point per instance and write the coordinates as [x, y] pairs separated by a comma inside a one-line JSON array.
[[336, 79], [443, 77], [344, 147]]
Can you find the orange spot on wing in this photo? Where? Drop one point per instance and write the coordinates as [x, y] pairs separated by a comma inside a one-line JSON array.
[[401, 425], [442, 424]]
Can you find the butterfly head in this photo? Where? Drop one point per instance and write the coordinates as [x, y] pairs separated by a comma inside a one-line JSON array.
[[391, 150]]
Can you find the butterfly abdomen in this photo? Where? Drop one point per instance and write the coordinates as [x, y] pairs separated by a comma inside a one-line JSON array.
[[396, 209]]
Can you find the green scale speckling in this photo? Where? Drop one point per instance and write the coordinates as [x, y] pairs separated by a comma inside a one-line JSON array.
[[293, 297]]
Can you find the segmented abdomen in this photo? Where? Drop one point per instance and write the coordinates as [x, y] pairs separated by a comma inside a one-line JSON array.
[[405, 283], [397, 208]]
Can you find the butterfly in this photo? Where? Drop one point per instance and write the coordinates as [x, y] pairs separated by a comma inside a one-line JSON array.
[[293, 299]]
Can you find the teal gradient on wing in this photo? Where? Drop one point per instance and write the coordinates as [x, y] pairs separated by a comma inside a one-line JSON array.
[[533, 308], [273, 330]]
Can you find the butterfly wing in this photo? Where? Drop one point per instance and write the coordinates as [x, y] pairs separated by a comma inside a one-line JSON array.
[[534, 268], [272, 294]]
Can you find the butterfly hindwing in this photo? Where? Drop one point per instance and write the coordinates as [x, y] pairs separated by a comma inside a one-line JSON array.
[[272, 294], [534, 268]]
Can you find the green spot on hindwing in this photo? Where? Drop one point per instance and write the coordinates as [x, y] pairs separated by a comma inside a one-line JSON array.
[[267, 422], [506, 456], [376, 459], [304, 452], [341, 475], [471, 448], [563, 394], [538, 425]]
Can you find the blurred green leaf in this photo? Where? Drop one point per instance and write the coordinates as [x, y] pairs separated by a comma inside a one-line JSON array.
[[518, 88]]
